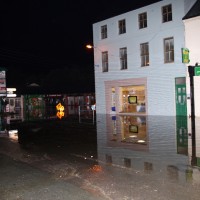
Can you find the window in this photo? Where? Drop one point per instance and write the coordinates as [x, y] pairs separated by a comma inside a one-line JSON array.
[[105, 61], [144, 54], [104, 32], [123, 58], [169, 50], [142, 18], [122, 26], [167, 13]]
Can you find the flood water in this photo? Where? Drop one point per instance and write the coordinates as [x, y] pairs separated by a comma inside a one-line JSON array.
[[112, 157]]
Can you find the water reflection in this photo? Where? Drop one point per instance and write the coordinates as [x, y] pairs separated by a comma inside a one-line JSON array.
[[148, 143], [122, 154]]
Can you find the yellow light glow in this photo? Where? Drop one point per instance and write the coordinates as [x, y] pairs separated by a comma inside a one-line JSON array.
[[89, 46], [96, 168], [141, 141], [60, 114], [60, 107]]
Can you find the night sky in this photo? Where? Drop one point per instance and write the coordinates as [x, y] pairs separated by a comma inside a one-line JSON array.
[[40, 39]]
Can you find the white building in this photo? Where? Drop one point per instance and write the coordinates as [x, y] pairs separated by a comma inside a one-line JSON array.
[[138, 61], [192, 41]]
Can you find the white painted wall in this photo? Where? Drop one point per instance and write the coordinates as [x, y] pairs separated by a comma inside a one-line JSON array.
[[160, 76], [192, 41]]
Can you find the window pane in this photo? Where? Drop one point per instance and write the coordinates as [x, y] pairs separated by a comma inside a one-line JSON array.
[[142, 20], [167, 13], [122, 26], [105, 61], [123, 58], [104, 32], [169, 50], [144, 53]]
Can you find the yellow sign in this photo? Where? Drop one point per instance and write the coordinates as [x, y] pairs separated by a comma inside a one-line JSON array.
[[185, 55], [60, 108], [60, 114]]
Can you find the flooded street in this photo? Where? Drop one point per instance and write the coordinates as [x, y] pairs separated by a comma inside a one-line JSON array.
[[117, 157]]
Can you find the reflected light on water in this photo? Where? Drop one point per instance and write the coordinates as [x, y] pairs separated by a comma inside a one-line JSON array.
[[13, 134]]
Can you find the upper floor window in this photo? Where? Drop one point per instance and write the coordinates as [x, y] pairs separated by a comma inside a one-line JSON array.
[[167, 13], [104, 32], [144, 54], [123, 58], [105, 61], [122, 26], [169, 50], [142, 19]]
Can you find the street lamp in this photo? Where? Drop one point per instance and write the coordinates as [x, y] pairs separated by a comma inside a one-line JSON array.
[[89, 46]]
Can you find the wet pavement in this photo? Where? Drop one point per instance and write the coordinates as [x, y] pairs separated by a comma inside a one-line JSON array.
[[118, 157]]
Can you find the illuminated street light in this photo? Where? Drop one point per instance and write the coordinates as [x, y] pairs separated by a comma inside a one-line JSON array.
[[89, 46]]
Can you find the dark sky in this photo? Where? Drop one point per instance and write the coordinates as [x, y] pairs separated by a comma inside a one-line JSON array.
[[37, 36]]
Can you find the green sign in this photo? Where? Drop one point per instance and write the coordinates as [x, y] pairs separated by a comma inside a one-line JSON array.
[[197, 71], [185, 55]]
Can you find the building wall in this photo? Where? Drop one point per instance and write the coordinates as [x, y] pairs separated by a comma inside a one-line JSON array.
[[192, 41], [160, 77]]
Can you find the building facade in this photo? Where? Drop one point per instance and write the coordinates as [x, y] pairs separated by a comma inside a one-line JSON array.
[[138, 61], [192, 41]]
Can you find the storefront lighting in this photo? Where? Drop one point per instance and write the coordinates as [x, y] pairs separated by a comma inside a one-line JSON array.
[[141, 141], [11, 95], [133, 136], [11, 89]]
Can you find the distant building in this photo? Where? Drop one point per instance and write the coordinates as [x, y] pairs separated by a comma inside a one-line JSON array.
[[138, 60]]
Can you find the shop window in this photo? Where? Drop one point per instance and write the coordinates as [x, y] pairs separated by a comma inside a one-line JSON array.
[[113, 108], [132, 99]]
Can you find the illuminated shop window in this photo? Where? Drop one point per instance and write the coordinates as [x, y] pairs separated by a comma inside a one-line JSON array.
[[132, 99], [133, 129]]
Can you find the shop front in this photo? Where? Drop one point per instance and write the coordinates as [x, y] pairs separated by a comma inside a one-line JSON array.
[[126, 97]]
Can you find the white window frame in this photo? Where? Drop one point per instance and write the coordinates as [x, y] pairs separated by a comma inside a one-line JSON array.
[[144, 54], [167, 13], [122, 26], [169, 50], [105, 61], [142, 20], [123, 58], [104, 32]]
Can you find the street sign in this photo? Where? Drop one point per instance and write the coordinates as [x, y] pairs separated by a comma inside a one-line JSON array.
[[185, 55], [197, 71]]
